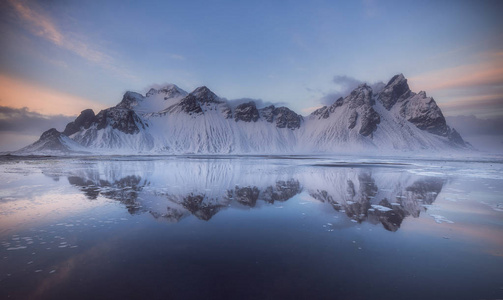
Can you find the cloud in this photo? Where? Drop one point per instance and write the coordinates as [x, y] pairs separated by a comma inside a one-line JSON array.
[[370, 8], [40, 24], [23, 120], [483, 134], [17, 93], [344, 85], [176, 56], [467, 89], [481, 105], [43, 26], [258, 102], [485, 74], [346, 82], [20, 127], [471, 125]]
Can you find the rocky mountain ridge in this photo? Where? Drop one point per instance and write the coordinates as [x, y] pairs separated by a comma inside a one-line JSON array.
[[172, 121]]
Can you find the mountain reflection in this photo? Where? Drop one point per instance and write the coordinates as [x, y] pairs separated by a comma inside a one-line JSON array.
[[172, 190], [389, 207], [124, 190]]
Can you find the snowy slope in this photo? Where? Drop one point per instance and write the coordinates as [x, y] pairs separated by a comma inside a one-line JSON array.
[[361, 122], [154, 101], [172, 121], [52, 142]]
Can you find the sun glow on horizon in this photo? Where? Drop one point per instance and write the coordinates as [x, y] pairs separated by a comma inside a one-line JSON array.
[[17, 93]]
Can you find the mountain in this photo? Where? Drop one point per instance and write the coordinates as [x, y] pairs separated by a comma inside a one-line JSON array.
[[53, 142], [172, 121]]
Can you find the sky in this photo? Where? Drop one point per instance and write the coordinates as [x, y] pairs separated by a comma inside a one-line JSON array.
[[58, 57]]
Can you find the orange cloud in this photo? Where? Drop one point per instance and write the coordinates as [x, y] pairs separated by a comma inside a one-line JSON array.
[[491, 101], [487, 73], [17, 93]]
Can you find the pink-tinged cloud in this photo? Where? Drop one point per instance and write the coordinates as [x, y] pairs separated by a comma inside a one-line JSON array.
[[489, 105], [40, 24], [17, 93], [473, 102], [487, 73]]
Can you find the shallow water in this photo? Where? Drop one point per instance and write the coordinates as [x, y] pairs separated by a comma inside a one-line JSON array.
[[250, 228]]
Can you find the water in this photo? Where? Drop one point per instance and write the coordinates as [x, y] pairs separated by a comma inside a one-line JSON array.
[[250, 228]]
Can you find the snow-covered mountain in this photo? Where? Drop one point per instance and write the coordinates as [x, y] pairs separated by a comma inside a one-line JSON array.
[[53, 142], [172, 121]]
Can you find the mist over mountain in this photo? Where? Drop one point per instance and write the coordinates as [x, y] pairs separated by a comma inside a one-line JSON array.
[[375, 119], [484, 134]]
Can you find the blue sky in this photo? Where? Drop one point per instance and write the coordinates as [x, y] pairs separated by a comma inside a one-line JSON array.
[[59, 57]]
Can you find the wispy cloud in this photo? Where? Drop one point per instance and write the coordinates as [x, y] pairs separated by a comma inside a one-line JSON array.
[[35, 20], [370, 8], [487, 73], [480, 105], [343, 85], [176, 56], [40, 24], [258, 102], [468, 89]]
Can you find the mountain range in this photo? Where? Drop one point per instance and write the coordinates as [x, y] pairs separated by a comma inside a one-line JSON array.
[[170, 120]]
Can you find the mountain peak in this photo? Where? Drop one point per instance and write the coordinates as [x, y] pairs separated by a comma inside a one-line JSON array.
[[50, 134], [395, 91], [205, 95], [52, 142], [172, 90], [83, 121], [169, 90], [151, 92], [397, 78], [283, 116], [360, 96], [130, 100], [201, 89], [246, 112]]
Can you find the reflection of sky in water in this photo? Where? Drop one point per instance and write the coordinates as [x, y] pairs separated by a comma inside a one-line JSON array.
[[252, 226]]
